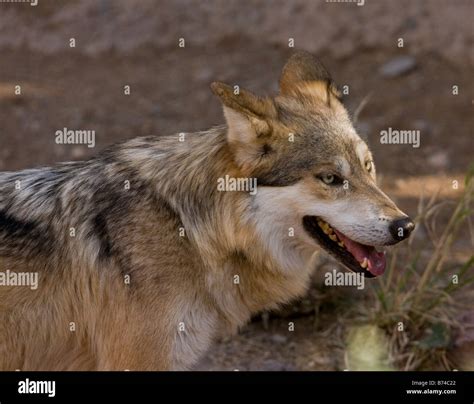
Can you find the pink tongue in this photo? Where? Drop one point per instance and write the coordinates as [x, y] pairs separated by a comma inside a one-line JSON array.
[[376, 260]]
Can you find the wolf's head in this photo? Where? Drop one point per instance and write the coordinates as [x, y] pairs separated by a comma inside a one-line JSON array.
[[315, 175]]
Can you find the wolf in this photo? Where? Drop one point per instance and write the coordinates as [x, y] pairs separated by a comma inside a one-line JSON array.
[[143, 262]]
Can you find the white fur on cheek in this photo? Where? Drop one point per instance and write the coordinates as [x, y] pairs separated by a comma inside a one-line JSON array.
[[280, 228]]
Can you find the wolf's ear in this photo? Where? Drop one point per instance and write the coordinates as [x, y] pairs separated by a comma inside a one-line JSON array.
[[242, 104], [248, 119], [304, 73]]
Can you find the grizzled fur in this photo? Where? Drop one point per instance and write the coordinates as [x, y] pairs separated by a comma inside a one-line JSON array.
[[142, 277]]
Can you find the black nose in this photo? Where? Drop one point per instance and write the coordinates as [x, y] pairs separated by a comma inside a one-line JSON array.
[[400, 229]]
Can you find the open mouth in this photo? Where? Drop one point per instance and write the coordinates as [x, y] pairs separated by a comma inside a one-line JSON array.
[[355, 256]]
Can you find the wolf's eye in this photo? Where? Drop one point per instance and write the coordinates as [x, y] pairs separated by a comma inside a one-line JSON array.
[[369, 165], [330, 179]]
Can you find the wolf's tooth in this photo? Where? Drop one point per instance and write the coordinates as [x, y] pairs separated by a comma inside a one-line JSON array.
[[332, 237], [364, 263], [341, 244]]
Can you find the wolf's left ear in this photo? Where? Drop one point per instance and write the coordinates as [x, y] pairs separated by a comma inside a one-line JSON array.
[[304, 73], [257, 111], [248, 120]]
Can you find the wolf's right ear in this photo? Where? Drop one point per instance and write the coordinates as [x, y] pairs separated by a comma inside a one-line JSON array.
[[304, 72], [248, 120]]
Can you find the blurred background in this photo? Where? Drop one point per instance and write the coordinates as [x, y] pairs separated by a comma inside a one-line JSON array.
[[408, 87]]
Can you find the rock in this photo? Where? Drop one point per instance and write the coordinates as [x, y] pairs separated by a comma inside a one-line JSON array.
[[368, 348], [278, 338], [398, 66], [409, 24], [425, 127], [439, 160]]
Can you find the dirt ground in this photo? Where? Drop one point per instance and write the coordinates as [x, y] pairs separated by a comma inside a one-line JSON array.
[[136, 43]]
